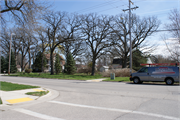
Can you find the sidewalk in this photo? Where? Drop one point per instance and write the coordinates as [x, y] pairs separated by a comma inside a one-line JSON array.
[[96, 80], [18, 96]]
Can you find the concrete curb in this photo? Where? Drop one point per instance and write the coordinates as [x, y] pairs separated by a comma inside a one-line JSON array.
[[51, 95]]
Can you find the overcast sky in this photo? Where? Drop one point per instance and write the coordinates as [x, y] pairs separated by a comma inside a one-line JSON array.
[[158, 8]]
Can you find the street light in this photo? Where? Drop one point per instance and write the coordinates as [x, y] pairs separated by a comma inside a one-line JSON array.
[[10, 53]]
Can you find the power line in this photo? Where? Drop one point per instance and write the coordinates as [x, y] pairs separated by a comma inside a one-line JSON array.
[[166, 30], [108, 9], [159, 30], [98, 6], [130, 2], [115, 6], [95, 6]]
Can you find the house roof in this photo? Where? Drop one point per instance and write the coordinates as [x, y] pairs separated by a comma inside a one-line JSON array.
[[106, 67], [117, 61], [18, 66]]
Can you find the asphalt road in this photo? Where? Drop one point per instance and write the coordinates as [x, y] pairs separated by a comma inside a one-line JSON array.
[[83, 100]]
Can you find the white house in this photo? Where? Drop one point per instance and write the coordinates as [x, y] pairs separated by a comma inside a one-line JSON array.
[[104, 68]]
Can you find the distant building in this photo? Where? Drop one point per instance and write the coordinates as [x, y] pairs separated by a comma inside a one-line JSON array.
[[18, 68], [48, 65], [80, 66], [149, 61], [104, 68], [117, 63]]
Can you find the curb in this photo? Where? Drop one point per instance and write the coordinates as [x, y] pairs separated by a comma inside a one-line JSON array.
[[51, 95]]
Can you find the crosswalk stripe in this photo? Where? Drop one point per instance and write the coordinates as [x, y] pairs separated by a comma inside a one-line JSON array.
[[35, 114], [117, 110]]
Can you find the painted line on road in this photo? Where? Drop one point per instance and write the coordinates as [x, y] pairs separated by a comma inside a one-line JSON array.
[[35, 114], [12, 101], [116, 110]]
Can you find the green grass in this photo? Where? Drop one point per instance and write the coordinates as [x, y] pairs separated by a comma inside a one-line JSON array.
[[41, 93], [60, 76], [77, 76], [7, 86], [0, 101], [118, 79]]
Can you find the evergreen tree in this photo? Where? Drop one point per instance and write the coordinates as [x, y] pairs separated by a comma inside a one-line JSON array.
[[138, 58], [13, 68], [38, 62], [13, 63], [57, 64], [3, 65], [70, 64]]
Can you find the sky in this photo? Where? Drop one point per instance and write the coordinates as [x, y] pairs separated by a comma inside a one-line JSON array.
[[158, 8]]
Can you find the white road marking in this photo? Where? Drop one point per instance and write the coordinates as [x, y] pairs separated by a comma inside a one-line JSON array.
[[35, 114], [117, 110]]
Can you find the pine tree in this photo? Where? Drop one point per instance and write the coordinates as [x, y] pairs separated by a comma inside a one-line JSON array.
[[13, 68], [3, 65], [57, 64], [138, 58], [38, 62], [70, 64], [13, 63]]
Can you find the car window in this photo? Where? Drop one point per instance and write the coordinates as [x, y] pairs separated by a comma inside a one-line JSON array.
[[143, 70]]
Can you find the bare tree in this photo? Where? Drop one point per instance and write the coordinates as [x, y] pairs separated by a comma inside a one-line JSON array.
[[5, 40], [61, 29], [72, 30], [55, 24], [42, 36], [174, 27], [173, 47], [22, 10], [162, 59], [24, 47], [96, 30], [141, 29]]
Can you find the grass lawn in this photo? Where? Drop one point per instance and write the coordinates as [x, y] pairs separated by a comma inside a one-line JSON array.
[[0, 101], [7, 86], [118, 79], [59, 76], [41, 93]]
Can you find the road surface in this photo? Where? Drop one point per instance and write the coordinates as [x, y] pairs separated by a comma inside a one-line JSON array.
[[88, 100]]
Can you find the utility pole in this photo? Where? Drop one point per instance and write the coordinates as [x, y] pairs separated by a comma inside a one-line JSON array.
[[130, 32], [9, 66]]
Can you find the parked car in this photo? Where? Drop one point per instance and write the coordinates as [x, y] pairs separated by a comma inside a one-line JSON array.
[[168, 74]]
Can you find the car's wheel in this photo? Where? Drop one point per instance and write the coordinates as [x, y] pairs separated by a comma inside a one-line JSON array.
[[169, 81], [136, 81]]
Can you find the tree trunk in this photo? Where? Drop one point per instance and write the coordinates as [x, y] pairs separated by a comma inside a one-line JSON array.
[[124, 62], [22, 63], [42, 68], [42, 62], [93, 66], [52, 65], [29, 59]]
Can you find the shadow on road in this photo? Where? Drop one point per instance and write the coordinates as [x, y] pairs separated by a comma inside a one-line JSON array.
[[154, 83]]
